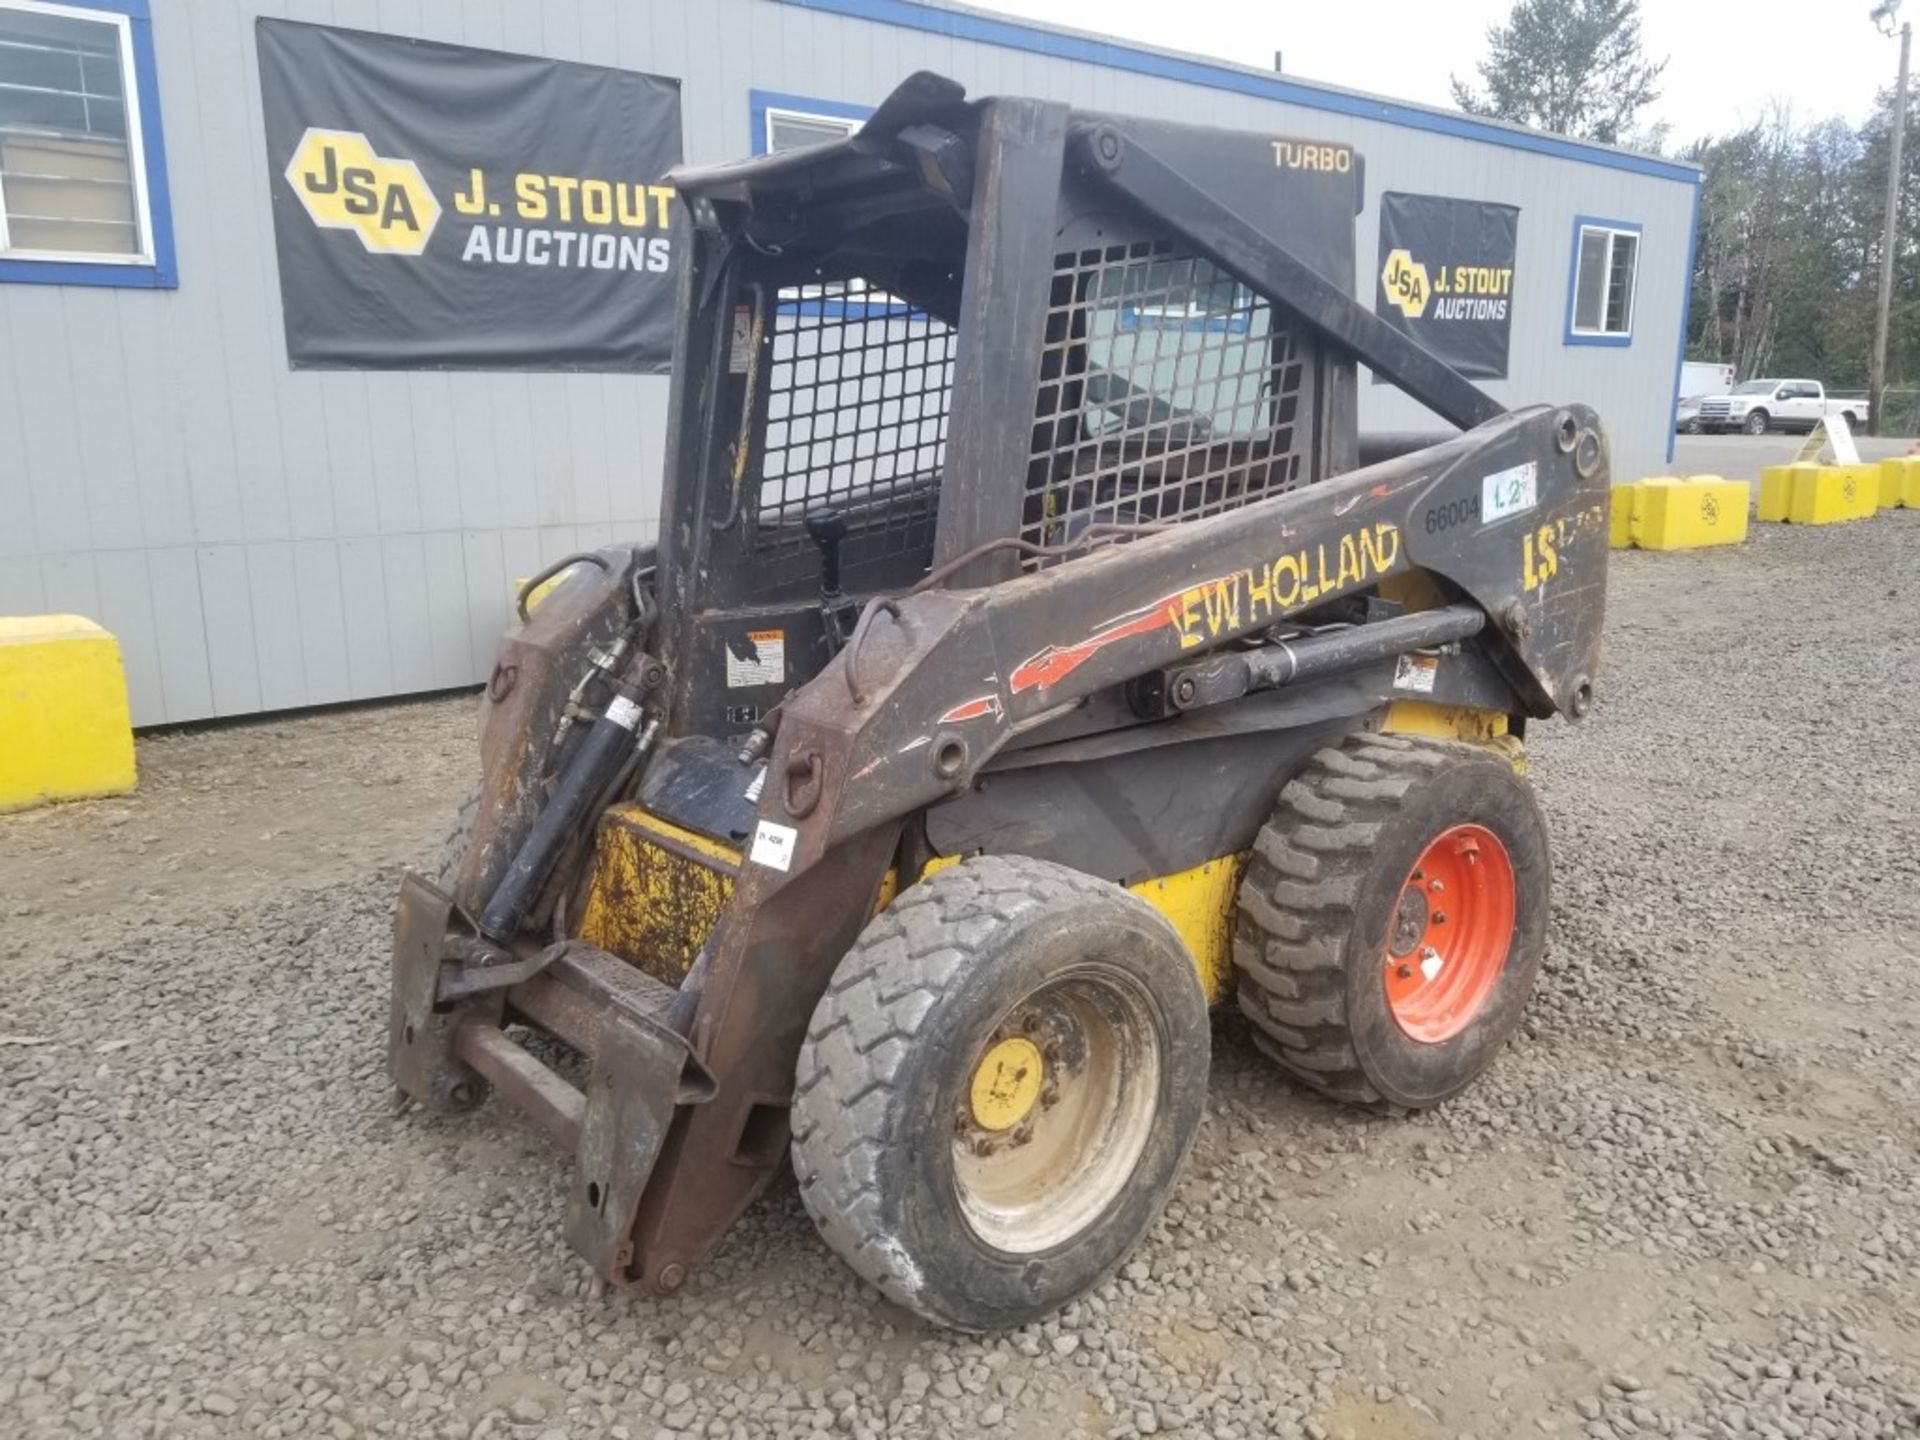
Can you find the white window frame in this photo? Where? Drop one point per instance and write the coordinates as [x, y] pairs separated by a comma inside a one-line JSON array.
[[788, 112], [1613, 230], [136, 144]]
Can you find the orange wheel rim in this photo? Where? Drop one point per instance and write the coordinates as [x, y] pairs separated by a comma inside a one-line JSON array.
[[1450, 933]]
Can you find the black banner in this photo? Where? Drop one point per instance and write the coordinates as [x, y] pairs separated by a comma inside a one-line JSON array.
[[1446, 277], [436, 207]]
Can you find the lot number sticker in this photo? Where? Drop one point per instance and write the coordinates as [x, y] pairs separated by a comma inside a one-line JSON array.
[[773, 845], [1508, 492]]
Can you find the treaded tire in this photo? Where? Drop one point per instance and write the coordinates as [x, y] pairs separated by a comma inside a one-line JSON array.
[[1321, 889], [887, 1060]]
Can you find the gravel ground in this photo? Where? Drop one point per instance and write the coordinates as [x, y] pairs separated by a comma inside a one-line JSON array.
[[1685, 1202]]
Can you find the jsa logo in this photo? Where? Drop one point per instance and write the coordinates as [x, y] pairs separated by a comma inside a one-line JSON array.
[[345, 186]]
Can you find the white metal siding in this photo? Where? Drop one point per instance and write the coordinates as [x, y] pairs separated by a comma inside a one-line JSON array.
[[261, 539]]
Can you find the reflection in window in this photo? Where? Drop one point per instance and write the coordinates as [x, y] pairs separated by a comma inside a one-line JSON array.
[[70, 183], [1604, 281]]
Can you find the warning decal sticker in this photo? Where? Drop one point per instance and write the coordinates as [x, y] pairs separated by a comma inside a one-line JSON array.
[[763, 663]]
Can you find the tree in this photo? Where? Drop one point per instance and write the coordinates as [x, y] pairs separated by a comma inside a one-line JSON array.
[[1574, 67]]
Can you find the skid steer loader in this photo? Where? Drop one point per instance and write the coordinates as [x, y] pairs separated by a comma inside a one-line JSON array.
[[1027, 661]]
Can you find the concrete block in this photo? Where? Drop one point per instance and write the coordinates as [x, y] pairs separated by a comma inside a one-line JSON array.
[[1776, 491], [64, 727], [1620, 516], [1832, 494], [1893, 481], [1687, 514]]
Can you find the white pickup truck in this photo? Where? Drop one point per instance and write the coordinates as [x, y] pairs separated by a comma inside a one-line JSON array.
[[1758, 406]]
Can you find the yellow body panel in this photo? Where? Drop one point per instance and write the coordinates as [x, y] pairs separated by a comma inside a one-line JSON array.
[[65, 732], [1830, 494], [540, 591], [1443, 722], [1701, 510], [656, 891], [1198, 903]]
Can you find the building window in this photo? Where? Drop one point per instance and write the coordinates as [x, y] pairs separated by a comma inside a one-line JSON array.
[[789, 122], [791, 129], [76, 158], [1606, 261]]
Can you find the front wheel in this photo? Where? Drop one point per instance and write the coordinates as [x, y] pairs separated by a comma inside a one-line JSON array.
[[1756, 423], [998, 1090], [1392, 919]]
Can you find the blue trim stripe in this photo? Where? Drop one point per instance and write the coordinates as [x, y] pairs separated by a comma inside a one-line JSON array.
[[765, 100], [1062, 45], [1686, 319], [163, 273], [1582, 222]]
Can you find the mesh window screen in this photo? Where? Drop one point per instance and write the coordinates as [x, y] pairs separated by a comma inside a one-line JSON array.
[[1168, 391], [857, 398]]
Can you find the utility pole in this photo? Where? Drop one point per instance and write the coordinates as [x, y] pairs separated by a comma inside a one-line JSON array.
[[1883, 16]]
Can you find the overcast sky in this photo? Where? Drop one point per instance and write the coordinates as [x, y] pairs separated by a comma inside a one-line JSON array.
[[1728, 59]]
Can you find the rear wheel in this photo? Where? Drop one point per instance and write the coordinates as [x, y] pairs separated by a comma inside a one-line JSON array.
[[998, 1089], [1392, 918], [1756, 423]]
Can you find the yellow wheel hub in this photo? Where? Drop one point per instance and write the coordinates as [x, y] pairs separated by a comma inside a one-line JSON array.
[[1006, 1083]]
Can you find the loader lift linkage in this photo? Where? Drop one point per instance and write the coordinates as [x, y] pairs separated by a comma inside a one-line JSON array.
[[1013, 527]]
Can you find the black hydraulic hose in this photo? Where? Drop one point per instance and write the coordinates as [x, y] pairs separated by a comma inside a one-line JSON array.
[[600, 755], [1281, 662]]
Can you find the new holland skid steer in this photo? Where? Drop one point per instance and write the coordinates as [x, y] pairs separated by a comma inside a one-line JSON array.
[[1028, 660]]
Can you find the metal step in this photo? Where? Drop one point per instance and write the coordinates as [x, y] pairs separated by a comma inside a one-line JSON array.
[[572, 996]]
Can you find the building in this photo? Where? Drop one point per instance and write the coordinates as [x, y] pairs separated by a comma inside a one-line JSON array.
[[262, 537]]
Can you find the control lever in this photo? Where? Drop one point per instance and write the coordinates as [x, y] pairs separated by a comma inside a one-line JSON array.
[[827, 529]]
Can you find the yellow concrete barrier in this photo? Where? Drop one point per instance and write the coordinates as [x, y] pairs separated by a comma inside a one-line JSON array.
[[1776, 491], [1900, 482], [1893, 479], [1620, 517], [64, 727], [1701, 510], [1830, 494]]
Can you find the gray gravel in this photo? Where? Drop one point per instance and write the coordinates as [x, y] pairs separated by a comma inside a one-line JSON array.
[[1686, 1202]]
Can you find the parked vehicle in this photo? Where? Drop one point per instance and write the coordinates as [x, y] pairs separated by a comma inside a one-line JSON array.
[[1698, 378], [1762, 405]]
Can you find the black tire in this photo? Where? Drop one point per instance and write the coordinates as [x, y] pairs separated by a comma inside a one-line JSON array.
[[1755, 423], [888, 1071], [1325, 881], [1848, 416]]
